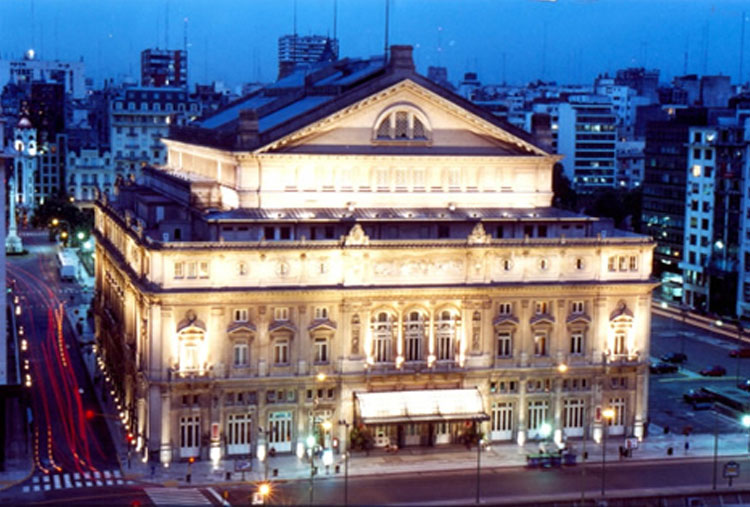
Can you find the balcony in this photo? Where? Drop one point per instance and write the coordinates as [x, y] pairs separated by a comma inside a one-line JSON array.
[[177, 375]]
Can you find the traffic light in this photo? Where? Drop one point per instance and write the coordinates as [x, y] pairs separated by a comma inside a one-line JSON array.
[[89, 414]]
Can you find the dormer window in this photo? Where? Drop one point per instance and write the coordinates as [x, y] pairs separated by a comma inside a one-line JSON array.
[[402, 124]]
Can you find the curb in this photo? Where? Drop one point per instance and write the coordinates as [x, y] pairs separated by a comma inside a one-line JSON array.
[[13, 484]]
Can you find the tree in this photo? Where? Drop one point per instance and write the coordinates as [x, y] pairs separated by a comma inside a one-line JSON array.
[[564, 195]]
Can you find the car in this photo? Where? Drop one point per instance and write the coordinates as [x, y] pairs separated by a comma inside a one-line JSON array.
[[714, 371], [662, 367], [674, 357], [741, 352], [698, 396], [744, 384]]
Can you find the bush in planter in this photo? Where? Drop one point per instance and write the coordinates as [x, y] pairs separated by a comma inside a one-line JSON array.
[[361, 439]]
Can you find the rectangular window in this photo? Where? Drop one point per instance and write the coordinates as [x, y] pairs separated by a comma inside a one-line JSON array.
[[281, 313], [618, 405], [540, 307], [203, 269], [573, 413], [505, 309], [281, 352], [321, 313], [443, 231], [238, 433], [240, 315], [179, 270], [190, 436], [633, 263], [188, 356], [576, 307], [504, 344], [612, 264], [537, 415], [321, 350], [240, 354], [623, 263], [540, 344], [620, 344], [268, 233], [576, 343], [192, 270]]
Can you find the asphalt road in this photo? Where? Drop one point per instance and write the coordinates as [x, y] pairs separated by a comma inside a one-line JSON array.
[[704, 349], [64, 440]]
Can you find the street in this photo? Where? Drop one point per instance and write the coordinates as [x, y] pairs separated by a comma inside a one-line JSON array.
[[67, 446]]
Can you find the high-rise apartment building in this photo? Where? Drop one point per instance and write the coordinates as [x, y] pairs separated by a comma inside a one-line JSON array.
[[376, 253], [164, 67], [586, 136], [25, 70], [294, 49], [139, 118]]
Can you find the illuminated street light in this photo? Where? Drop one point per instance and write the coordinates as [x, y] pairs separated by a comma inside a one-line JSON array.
[[746, 424], [608, 414], [321, 376], [562, 368], [80, 236]]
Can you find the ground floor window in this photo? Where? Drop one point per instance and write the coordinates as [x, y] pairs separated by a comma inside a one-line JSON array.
[[280, 431], [239, 433], [190, 442], [617, 423], [573, 417], [537, 415], [502, 421]]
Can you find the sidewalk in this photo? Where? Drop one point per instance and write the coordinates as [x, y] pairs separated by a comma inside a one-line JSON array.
[[421, 460]]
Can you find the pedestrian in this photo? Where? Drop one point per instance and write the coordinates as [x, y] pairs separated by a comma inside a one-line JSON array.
[[687, 446], [153, 470]]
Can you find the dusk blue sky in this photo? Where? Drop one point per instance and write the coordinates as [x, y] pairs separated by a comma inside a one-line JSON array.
[[235, 41]]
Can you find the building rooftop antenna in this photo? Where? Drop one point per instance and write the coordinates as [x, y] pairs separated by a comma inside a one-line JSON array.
[[387, 20], [335, 9], [166, 26]]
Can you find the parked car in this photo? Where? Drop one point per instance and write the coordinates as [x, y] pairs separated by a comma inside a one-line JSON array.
[[744, 384], [674, 357], [699, 399], [714, 371], [741, 352], [662, 367]]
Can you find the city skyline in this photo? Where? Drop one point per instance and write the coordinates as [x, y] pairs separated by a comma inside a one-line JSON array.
[[515, 41]]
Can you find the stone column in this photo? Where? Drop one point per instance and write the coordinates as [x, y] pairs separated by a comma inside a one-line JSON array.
[[165, 449], [521, 434]]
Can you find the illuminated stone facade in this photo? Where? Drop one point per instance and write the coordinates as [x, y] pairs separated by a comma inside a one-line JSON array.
[[392, 238]]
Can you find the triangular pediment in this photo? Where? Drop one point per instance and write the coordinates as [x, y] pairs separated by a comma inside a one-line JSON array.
[[448, 126]]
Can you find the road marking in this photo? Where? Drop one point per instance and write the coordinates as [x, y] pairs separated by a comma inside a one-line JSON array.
[[58, 485], [97, 474], [86, 475], [117, 473], [218, 497], [109, 482], [78, 484], [66, 479], [107, 474], [77, 476], [45, 479], [26, 489], [99, 483], [119, 482], [47, 487], [35, 480], [89, 484], [36, 487], [176, 496]]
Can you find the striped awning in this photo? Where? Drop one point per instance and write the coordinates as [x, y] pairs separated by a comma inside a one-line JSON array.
[[421, 406]]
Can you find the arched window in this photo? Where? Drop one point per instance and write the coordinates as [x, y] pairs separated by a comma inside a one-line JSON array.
[[414, 336], [382, 336], [445, 336], [402, 124]]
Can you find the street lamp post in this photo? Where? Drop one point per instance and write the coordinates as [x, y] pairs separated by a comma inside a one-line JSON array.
[[346, 424], [479, 462], [746, 424], [311, 450], [716, 446], [608, 414]]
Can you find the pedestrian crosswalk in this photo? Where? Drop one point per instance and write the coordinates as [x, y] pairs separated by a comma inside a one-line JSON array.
[[70, 480], [177, 496]]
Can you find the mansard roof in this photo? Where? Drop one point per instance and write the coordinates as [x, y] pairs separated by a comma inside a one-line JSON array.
[[313, 92]]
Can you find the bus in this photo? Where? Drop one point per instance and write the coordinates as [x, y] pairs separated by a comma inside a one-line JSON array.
[[67, 261], [732, 398]]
